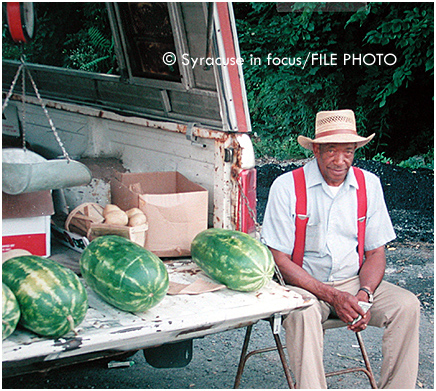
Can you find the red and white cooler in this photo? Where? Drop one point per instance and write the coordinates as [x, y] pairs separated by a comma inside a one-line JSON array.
[[26, 222]]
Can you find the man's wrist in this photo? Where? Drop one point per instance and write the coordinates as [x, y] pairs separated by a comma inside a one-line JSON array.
[[368, 292]]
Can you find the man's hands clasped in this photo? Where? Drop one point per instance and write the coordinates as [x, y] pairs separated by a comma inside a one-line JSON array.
[[348, 310]]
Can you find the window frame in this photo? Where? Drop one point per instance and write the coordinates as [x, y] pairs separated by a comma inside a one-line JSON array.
[[122, 52]]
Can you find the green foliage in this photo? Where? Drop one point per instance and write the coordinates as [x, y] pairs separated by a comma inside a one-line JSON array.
[[387, 100], [83, 39], [380, 157], [281, 150], [92, 51], [421, 161], [410, 31], [413, 162]]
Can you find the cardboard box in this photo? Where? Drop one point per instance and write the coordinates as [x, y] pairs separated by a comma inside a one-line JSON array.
[[39, 203], [26, 222], [176, 208]]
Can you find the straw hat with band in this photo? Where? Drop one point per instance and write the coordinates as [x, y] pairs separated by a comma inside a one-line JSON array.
[[335, 127]]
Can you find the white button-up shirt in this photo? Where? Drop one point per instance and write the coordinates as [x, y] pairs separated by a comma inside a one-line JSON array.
[[331, 235]]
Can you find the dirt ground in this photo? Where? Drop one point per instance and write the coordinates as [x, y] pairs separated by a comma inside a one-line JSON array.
[[410, 264]]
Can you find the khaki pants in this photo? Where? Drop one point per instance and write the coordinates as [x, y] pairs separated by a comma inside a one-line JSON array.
[[394, 308]]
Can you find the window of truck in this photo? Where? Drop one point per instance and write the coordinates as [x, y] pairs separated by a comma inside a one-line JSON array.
[[112, 56]]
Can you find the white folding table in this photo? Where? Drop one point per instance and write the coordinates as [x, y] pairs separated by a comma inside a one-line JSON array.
[[176, 318]]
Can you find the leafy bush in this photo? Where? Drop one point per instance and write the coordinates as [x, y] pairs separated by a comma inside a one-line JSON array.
[[83, 39], [421, 161], [387, 100], [380, 157], [281, 150]]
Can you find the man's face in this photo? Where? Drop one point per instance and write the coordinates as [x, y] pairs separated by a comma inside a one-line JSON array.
[[334, 161]]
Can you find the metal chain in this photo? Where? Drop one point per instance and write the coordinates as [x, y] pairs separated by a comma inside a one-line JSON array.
[[23, 99], [53, 128], [252, 214], [11, 90], [23, 112]]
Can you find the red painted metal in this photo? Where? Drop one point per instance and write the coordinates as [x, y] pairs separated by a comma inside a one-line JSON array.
[[248, 186], [230, 52], [14, 21]]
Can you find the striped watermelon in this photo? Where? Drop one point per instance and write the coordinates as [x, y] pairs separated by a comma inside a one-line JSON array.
[[233, 258], [10, 312], [124, 274], [52, 299]]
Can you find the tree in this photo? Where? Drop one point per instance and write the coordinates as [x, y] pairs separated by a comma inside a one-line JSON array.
[[383, 70]]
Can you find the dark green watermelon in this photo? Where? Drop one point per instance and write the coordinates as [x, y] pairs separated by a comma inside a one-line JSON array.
[[124, 274], [233, 258], [10, 312], [52, 298]]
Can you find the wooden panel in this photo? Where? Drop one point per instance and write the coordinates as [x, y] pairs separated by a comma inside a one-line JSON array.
[[140, 95], [113, 94], [73, 131], [130, 97], [8, 73], [197, 106], [67, 86]]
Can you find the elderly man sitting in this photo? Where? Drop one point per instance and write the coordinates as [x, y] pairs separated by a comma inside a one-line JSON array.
[[334, 251]]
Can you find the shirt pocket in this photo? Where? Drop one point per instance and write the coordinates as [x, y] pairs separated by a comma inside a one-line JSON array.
[[314, 236]]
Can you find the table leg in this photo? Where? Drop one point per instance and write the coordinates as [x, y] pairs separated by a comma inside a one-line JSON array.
[[244, 357], [282, 356]]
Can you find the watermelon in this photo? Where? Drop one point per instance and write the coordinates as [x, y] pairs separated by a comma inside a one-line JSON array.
[[10, 312], [52, 299], [233, 258], [124, 274]]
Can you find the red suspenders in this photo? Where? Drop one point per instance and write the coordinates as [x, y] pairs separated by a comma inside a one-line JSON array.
[[301, 217], [361, 212]]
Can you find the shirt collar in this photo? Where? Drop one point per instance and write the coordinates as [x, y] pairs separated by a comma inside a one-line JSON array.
[[314, 176]]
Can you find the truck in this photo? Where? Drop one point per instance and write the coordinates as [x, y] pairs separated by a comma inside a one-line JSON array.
[[176, 103]]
